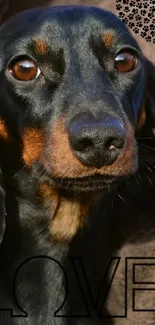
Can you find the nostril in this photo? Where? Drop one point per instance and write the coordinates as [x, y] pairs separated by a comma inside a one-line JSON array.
[[84, 144], [113, 144], [96, 143]]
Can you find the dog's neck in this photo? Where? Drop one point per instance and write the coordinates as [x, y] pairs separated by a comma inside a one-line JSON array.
[[63, 214]]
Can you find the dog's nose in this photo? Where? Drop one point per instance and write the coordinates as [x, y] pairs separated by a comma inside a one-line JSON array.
[[96, 143]]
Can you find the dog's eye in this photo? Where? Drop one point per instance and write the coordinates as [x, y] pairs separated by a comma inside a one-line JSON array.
[[126, 61], [24, 69]]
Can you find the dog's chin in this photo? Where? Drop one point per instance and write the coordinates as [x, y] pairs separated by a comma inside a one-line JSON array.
[[89, 184], [92, 183]]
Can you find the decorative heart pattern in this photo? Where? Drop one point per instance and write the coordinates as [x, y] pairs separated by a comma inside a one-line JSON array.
[[139, 15]]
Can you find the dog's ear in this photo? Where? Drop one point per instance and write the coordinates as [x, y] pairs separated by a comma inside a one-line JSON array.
[[147, 117], [150, 94], [150, 87], [146, 133], [4, 7], [2, 212]]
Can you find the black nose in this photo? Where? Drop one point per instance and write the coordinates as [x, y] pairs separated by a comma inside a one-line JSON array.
[[96, 143]]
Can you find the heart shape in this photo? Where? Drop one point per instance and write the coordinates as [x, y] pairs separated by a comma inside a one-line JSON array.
[[139, 15]]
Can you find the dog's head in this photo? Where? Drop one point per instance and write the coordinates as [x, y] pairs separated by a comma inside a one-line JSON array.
[[74, 90]]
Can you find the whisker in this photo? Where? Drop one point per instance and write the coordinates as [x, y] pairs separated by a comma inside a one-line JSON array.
[[146, 146], [146, 166], [150, 181], [145, 138], [137, 181], [19, 171], [120, 196]]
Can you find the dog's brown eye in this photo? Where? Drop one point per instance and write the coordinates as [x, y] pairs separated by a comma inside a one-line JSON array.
[[126, 61], [24, 70]]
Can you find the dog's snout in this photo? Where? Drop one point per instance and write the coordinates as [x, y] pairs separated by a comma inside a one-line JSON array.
[[96, 143]]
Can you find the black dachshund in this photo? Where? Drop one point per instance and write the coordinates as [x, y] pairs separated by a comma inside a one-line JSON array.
[[77, 153]]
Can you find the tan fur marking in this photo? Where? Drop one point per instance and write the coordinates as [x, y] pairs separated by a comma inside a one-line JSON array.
[[108, 38], [47, 192], [67, 216], [3, 131], [142, 118], [65, 164], [41, 46], [32, 145], [127, 160]]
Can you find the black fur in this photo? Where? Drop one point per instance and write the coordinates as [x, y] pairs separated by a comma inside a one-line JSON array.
[[78, 76]]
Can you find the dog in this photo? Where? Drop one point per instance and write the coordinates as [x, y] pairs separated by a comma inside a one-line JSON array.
[[77, 157]]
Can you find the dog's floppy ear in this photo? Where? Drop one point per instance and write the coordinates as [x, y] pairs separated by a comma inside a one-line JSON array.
[[4, 7], [147, 118], [150, 94], [146, 134], [2, 213]]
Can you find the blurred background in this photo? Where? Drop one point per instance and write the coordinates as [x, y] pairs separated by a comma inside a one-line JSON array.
[[11, 7]]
